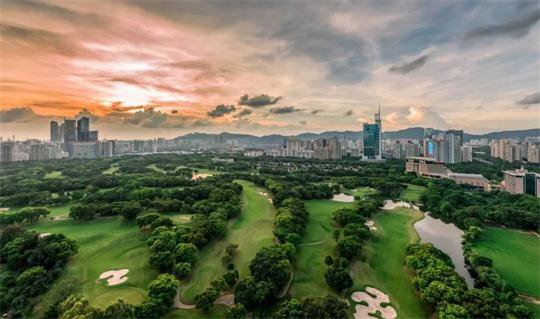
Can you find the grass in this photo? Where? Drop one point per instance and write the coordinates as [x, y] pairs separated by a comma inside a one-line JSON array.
[[251, 231], [53, 174], [156, 169], [383, 266], [515, 255], [317, 244], [104, 244], [412, 193], [535, 308], [111, 170], [56, 211], [361, 192]]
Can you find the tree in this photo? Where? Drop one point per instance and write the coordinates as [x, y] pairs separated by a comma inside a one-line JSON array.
[[356, 229], [231, 277], [237, 311], [346, 216], [147, 220], [452, 311], [329, 261], [162, 261], [289, 309], [271, 264], [338, 278], [33, 281], [182, 270], [78, 308], [82, 212], [186, 253], [119, 309], [335, 307], [130, 211], [205, 300], [163, 289], [349, 247], [251, 293]]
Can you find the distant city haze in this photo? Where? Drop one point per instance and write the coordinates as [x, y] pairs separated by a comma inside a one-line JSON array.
[[148, 69]]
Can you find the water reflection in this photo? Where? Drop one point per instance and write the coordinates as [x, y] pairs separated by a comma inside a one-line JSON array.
[[446, 237]]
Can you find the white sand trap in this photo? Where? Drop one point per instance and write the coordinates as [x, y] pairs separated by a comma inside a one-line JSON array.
[[44, 235], [390, 204], [114, 277], [262, 193], [343, 198], [370, 224], [374, 304], [199, 175]]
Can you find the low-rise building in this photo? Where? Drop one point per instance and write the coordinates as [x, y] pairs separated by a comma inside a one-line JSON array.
[[474, 180], [426, 167], [521, 181]]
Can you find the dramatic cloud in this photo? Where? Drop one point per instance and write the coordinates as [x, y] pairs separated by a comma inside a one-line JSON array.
[[258, 101], [284, 110], [37, 39], [409, 66], [150, 118], [349, 113], [243, 113], [417, 116], [517, 27], [529, 99], [221, 110], [21, 114]]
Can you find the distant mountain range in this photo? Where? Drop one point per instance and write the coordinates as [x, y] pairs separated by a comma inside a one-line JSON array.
[[408, 133]]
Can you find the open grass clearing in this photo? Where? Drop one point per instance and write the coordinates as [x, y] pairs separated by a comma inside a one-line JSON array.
[[412, 193], [252, 230], [317, 244], [515, 255], [104, 244], [383, 265], [53, 174], [111, 170]]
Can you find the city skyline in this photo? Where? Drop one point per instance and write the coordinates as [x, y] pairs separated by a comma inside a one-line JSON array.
[[167, 68]]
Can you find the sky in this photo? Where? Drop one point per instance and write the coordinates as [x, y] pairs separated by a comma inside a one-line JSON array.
[[146, 69]]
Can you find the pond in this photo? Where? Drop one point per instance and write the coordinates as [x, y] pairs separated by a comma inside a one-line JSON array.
[[446, 237], [343, 198]]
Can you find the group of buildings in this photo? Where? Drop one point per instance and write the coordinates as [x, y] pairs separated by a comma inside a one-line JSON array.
[[519, 181], [517, 151]]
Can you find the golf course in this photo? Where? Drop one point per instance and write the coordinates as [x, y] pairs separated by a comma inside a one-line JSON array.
[[250, 231], [105, 244], [510, 250], [412, 193], [383, 267], [317, 244]]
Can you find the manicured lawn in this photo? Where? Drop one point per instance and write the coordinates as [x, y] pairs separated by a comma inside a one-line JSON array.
[[156, 169], [515, 255], [111, 170], [412, 193], [383, 266], [251, 231], [53, 174], [104, 244], [317, 244], [361, 192]]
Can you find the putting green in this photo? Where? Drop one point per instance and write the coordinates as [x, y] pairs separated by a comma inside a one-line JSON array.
[[251, 231], [513, 250], [412, 193], [104, 244], [317, 244], [384, 267]]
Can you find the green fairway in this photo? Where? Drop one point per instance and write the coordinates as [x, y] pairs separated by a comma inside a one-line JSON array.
[[104, 244], [360, 192], [384, 266], [111, 170], [412, 193], [251, 231], [515, 255], [53, 174], [317, 244]]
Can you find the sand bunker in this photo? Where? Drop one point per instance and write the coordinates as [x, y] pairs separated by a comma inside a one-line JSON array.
[[374, 304], [370, 224], [343, 198], [114, 277], [42, 235], [390, 204], [265, 194], [199, 175]]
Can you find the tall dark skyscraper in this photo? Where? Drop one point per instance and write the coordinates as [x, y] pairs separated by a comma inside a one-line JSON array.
[[373, 138], [70, 131], [83, 126], [55, 132]]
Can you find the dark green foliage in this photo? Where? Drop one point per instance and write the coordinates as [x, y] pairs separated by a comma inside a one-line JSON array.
[[329, 307], [338, 278], [349, 247], [27, 214], [237, 311], [182, 270], [119, 309], [252, 293], [271, 264]]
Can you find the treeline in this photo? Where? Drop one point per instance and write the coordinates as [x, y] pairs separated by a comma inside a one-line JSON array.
[[25, 215], [441, 287], [30, 263], [450, 202], [350, 238]]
